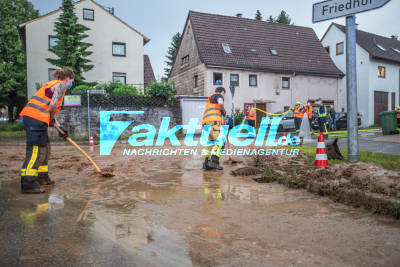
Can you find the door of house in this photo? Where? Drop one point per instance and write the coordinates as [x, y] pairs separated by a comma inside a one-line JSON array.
[[380, 104], [260, 115]]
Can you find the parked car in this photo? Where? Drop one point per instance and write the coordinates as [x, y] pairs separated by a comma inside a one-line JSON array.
[[341, 121], [287, 122]]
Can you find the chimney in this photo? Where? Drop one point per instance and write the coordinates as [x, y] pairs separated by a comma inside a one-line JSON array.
[[239, 15], [394, 37]]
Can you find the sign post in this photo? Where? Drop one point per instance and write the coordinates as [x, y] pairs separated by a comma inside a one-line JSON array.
[[348, 8], [88, 105], [351, 82]]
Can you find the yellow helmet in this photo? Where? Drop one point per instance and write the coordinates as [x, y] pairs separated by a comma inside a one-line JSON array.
[[298, 103]]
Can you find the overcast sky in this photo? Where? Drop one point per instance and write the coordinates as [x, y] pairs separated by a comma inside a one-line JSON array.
[[159, 20]]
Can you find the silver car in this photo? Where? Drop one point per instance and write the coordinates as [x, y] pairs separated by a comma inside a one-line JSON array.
[[287, 122]]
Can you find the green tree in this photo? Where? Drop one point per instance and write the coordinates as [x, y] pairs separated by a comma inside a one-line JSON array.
[[171, 54], [283, 18], [270, 19], [71, 50], [12, 55], [161, 89], [258, 15]]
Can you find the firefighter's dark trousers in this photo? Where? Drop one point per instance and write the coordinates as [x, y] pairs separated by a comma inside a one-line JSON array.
[[37, 153]]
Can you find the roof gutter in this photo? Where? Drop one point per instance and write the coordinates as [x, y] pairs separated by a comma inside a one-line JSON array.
[[278, 71]]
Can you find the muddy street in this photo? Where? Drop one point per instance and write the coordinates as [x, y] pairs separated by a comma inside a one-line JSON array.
[[167, 211]]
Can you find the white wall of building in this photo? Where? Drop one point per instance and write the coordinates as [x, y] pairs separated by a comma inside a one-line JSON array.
[[104, 30], [367, 75], [302, 89]]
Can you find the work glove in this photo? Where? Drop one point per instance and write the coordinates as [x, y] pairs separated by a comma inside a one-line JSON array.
[[52, 122], [65, 135], [223, 112]]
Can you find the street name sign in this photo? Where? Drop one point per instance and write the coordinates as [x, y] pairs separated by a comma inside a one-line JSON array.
[[339, 8]]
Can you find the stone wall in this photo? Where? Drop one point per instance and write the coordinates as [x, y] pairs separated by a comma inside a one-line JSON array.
[[75, 119]]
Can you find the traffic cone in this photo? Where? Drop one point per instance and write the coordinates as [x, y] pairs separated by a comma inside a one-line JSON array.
[[321, 158], [284, 140], [91, 142]]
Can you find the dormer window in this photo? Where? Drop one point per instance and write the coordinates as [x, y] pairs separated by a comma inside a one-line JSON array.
[[226, 48], [396, 50], [273, 51], [185, 60], [381, 47]]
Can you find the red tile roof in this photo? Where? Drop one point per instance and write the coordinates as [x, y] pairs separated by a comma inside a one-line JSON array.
[[369, 42], [299, 49], [148, 71]]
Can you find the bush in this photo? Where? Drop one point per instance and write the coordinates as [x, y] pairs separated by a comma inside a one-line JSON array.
[[126, 90], [109, 87], [82, 87], [238, 116], [161, 89], [11, 126]]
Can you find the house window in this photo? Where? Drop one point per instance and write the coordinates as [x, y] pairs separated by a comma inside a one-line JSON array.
[[396, 50], [252, 80], [51, 74], [88, 14], [119, 49], [185, 60], [226, 48], [217, 78], [381, 72], [52, 41], [235, 79], [119, 77], [285, 82], [327, 48], [273, 51], [339, 48], [196, 80]]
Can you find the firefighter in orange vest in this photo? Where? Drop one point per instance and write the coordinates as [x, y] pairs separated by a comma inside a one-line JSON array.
[[298, 115], [252, 116], [38, 114], [214, 115]]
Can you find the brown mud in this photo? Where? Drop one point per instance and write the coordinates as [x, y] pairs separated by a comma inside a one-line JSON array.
[[167, 211], [360, 185]]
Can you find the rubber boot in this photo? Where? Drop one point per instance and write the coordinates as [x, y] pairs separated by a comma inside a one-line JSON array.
[[31, 185], [206, 164], [215, 163], [45, 181]]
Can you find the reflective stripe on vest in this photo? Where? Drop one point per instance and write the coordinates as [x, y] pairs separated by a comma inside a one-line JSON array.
[[252, 114], [38, 107], [323, 114], [212, 112], [298, 113], [309, 112]]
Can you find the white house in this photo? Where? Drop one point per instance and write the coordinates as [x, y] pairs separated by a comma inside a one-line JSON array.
[[273, 65], [378, 70], [117, 47]]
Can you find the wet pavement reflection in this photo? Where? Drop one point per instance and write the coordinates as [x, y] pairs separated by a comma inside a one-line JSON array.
[[169, 212]]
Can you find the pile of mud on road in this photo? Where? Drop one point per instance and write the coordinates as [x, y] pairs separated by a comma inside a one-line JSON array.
[[360, 184]]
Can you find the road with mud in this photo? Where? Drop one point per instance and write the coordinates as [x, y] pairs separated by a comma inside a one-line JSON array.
[[166, 211]]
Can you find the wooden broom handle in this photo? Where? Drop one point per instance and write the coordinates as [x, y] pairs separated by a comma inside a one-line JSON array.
[[80, 149]]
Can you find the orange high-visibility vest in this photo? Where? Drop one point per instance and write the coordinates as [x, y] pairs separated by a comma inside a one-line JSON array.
[[252, 114], [212, 112], [298, 113], [309, 112], [38, 106], [398, 112]]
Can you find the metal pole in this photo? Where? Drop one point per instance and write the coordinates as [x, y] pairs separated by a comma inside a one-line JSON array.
[[233, 112], [88, 111], [351, 82]]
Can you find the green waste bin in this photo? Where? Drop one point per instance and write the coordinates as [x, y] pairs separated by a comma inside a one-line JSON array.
[[389, 122]]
